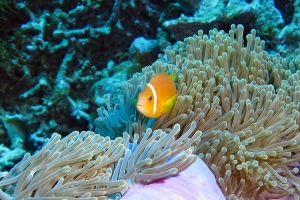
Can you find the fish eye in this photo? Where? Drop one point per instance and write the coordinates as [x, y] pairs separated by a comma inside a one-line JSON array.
[[150, 98]]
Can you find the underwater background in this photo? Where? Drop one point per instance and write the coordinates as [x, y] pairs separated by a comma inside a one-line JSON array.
[[61, 60]]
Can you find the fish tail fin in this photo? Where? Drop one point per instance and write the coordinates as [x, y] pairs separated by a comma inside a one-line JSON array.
[[169, 104]]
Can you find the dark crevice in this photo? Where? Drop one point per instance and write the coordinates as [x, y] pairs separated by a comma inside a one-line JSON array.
[[287, 9]]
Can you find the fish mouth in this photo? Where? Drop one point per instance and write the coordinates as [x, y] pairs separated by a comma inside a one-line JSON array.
[[139, 107]]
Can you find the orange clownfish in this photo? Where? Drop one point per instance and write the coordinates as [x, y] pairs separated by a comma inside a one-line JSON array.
[[158, 97]]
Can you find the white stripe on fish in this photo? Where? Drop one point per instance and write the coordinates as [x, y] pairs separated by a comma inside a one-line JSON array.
[[154, 96]]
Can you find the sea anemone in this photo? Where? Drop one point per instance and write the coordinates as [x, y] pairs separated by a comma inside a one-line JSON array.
[[244, 100]]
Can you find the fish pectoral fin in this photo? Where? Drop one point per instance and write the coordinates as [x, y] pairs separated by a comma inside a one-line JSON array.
[[134, 101], [168, 105]]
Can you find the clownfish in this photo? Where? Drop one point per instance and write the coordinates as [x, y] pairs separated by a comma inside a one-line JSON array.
[[158, 96]]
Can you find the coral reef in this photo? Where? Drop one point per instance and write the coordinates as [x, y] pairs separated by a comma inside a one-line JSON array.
[[61, 60], [61, 55], [237, 109], [275, 21]]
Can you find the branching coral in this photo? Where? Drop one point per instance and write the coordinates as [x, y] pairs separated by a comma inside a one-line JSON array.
[[244, 100]]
